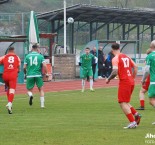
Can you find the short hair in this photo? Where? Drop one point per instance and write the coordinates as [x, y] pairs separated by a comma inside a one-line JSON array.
[[153, 44], [115, 46], [88, 48], [148, 51], [11, 48], [35, 46]]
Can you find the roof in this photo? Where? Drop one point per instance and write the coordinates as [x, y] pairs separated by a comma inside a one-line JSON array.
[[90, 13], [23, 38]]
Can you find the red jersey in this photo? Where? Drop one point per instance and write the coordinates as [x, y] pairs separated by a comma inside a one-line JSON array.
[[124, 64], [11, 63]]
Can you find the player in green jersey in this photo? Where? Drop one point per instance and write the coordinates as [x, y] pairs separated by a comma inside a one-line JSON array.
[[33, 64], [150, 69], [86, 65]]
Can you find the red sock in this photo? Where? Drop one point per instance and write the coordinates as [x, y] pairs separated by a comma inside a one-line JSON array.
[[133, 111], [142, 102], [130, 117], [11, 97]]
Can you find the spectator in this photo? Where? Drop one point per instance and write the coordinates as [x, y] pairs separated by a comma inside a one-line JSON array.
[[94, 61], [108, 63], [101, 63]]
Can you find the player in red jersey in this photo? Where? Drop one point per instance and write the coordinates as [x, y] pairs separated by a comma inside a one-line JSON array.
[[122, 66], [144, 88], [11, 64]]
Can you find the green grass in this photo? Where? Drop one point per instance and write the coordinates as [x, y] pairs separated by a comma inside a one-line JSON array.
[[72, 118]]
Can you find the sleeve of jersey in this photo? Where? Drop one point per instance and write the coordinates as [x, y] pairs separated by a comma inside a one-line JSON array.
[[147, 61], [115, 62]]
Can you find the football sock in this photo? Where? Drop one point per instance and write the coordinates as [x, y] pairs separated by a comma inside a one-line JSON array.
[[133, 111], [130, 117], [142, 103], [11, 97], [83, 84], [29, 93], [91, 83], [42, 100]]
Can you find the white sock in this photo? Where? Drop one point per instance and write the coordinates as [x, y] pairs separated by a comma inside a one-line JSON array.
[[91, 83], [83, 84], [9, 104], [29, 93], [42, 100]]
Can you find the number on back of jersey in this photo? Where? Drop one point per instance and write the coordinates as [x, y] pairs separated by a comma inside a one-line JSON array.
[[11, 60], [126, 62], [33, 61]]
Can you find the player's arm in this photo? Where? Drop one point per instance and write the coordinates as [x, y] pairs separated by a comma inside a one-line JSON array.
[[45, 67], [1, 59], [114, 71], [146, 70], [146, 73], [25, 65], [96, 59], [135, 69]]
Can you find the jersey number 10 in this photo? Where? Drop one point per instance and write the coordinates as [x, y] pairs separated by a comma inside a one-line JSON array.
[[33, 60]]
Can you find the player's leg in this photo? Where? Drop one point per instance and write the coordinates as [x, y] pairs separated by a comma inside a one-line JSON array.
[[84, 75], [90, 74], [124, 95], [142, 92], [133, 110], [142, 98], [127, 111], [11, 93], [151, 94], [30, 82], [39, 83]]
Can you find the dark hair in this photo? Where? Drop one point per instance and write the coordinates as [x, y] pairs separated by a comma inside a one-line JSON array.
[[11, 48], [115, 46], [88, 48], [35, 46]]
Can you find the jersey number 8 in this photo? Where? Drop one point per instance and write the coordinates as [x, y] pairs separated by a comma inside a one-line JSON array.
[[11, 59]]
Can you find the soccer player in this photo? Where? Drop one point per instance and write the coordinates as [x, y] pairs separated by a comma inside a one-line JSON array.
[[33, 69], [144, 89], [11, 64], [122, 66], [86, 65], [150, 69]]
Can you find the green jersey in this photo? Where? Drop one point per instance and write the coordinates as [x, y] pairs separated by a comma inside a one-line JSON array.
[[34, 62], [150, 61], [86, 60]]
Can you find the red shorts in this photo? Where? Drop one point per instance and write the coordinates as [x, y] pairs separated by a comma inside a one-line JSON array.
[[10, 80], [146, 84], [125, 92]]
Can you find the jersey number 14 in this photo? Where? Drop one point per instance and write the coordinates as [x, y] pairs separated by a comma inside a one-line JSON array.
[[33, 60]]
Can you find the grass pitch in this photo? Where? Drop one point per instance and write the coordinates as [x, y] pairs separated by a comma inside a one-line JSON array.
[[73, 118]]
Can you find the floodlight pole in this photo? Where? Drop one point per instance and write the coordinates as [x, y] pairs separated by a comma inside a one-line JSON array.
[[64, 26]]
